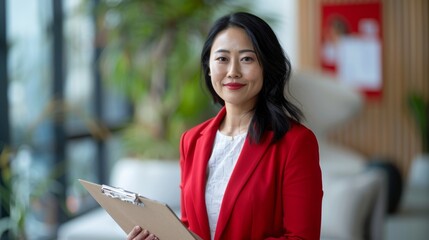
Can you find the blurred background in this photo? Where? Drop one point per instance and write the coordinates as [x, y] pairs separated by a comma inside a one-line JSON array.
[[87, 83]]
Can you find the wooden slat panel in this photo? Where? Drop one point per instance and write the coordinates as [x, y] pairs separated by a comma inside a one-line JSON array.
[[385, 127]]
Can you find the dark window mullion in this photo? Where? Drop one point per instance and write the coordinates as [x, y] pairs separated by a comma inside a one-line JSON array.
[[4, 78], [4, 106], [98, 98], [58, 94]]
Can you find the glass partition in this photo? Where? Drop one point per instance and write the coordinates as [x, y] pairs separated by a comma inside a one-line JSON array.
[[57, 138]]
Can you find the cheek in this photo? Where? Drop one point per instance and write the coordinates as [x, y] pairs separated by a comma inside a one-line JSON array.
[[255, 75], [217, 73], [216, 81], [215, 69]]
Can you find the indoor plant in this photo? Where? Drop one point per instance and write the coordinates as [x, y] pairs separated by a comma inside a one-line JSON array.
[[419, 173], [151, 54], [419, 107]]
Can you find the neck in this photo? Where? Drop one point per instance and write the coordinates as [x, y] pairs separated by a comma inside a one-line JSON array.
[[236, 122]]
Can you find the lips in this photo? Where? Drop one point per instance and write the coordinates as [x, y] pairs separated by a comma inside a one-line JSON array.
[[234, 86]]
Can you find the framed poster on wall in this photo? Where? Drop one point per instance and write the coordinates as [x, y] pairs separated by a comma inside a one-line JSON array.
[[351, 44]]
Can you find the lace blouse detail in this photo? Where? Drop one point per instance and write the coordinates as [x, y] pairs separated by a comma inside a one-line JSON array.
[[224, 156]]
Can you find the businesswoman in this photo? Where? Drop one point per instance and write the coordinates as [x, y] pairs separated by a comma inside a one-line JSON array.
[[252, 171]]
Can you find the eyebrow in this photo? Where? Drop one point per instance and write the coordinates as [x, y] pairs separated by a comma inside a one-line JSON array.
[[241, 51]]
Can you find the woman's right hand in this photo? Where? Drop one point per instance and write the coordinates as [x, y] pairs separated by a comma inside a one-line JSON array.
[[138, 233]]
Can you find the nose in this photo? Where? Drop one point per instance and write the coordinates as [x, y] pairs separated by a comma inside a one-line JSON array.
[[234, 70]]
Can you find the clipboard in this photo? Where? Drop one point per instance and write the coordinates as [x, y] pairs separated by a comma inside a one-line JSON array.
[[130, 209]]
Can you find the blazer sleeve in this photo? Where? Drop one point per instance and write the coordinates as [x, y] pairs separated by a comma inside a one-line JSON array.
[[183, 218], [302, 188]]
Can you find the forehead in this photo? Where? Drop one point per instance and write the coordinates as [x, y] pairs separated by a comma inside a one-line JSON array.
[[232, 38]]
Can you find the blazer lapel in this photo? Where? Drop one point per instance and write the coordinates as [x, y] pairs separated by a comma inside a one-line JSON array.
[[204, 146], [248, 160]]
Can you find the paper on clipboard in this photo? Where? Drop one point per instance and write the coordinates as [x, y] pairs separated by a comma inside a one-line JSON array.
[[130, 209]]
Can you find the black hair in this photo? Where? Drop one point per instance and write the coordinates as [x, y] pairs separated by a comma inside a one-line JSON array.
[[272, 110]]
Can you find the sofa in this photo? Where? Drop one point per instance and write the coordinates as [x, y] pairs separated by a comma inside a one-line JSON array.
[[354, 199]]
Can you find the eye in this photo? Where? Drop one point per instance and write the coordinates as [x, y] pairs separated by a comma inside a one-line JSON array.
[[247, 59], [221, 59]]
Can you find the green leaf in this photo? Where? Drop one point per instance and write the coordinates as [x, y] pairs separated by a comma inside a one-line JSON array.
[[420, 109]]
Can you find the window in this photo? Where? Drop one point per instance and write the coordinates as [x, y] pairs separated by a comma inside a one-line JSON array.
[[62, 119]]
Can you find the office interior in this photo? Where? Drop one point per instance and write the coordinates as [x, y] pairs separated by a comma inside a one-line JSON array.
[[62, 120]]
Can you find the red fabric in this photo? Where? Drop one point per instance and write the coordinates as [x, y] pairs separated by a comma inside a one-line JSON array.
[[275, 190], [352, 12]]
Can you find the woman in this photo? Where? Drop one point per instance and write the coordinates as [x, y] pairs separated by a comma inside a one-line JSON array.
[[251, 172]]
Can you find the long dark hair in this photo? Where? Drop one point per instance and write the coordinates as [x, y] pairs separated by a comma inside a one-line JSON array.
[[272, 110]]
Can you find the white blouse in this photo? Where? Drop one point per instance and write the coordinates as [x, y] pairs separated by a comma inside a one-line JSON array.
[[225, 153]]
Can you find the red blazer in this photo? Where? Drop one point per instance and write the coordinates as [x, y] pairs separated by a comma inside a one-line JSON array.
[[275, 190]]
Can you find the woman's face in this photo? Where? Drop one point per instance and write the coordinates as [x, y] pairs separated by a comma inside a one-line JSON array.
[[236, 74]]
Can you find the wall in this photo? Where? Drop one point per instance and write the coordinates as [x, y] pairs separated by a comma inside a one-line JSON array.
[[385, 127], [285, 26]]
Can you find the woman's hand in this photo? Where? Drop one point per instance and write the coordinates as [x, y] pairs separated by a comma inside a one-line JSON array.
[[139, 233]]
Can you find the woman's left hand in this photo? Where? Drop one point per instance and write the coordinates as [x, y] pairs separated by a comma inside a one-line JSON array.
[[139, 233]]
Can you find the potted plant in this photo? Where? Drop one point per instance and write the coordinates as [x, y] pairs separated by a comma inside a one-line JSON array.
[[151, 54], [419, 107]]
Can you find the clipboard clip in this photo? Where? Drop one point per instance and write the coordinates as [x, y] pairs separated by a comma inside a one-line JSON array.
[[121, 194]]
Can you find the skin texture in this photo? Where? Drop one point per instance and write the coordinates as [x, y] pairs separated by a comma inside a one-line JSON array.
[[236, 76], [233, 61]]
